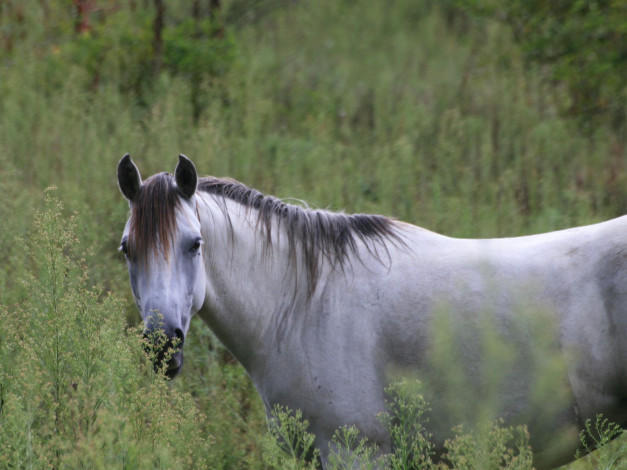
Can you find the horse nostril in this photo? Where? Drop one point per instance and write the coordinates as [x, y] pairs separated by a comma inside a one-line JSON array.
[[180, 335]]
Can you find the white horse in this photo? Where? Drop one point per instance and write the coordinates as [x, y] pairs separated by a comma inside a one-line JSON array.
[[324, 309]]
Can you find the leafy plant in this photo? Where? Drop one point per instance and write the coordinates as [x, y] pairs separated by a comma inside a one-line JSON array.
[[405, 421], [492, 448], [583, 42], [75, 387], [288, 444], [350, 449], [598, 434]]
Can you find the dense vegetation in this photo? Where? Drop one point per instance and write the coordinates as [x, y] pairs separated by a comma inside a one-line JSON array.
[[471, 118]]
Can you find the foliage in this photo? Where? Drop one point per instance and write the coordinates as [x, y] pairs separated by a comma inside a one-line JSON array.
[[123, 48], [350, 449], [477, 360], [75, 390], [406, 420], [584, 42], [288, 434], [598, 435], [205, 51], [15, 200], [116, 52], [493, 447], [490, 448], [203, 56]]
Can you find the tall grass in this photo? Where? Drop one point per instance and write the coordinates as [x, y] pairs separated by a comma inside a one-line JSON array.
[[75, 390], [492, 447], [386, 107]]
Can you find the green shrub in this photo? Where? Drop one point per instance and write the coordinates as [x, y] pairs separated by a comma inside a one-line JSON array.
[[116, 52], [583, 42], [15, 201], [75, 387], [350, 449], [288, 445], [405, 421], [489, 447], [198, 47], [596, 436], [493, 448]]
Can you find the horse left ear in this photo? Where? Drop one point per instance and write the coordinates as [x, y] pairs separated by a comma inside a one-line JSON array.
[[185, 176], [129, 179]]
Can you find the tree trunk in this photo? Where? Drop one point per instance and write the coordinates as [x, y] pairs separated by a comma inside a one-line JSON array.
[[157, 40], [83, 9], [214, 9]]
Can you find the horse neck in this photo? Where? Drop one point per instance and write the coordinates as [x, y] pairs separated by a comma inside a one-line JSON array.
[[251, 282]]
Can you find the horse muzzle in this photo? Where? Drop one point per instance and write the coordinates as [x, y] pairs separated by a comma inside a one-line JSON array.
[[165, 350], [174, 365]]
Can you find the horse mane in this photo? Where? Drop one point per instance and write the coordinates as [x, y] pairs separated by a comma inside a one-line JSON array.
[[314, 233]]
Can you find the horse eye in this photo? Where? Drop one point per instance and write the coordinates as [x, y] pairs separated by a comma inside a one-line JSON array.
[[124, 248], [196, 245]]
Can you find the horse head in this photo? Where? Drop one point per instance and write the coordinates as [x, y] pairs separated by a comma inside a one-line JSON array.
[[163, 246]]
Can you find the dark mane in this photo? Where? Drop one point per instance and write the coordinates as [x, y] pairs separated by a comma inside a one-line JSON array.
[[153, 217], [313, 233]]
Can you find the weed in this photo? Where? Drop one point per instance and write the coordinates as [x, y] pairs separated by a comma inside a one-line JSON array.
[[598, 434], [77, 390], [288, 444]]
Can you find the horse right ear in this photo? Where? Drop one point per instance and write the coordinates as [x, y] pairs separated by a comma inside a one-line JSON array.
[[129, 179]]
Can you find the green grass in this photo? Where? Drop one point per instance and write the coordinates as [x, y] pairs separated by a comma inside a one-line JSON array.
[[387, 107]]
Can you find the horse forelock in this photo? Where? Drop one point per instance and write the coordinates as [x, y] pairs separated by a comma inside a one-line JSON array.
[[313, 235], [153, 217]]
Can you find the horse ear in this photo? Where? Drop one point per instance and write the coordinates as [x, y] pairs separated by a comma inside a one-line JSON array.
[[129, 179], [185, 176]]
